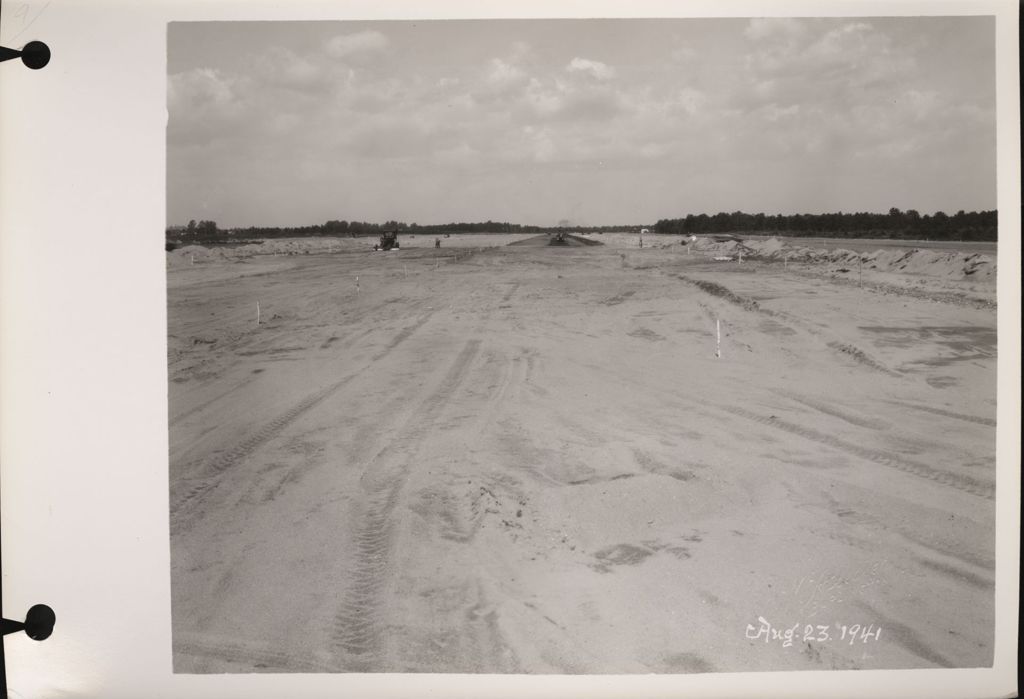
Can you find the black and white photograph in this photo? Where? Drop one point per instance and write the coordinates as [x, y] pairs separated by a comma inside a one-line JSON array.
[[582, 346], [394, 349]]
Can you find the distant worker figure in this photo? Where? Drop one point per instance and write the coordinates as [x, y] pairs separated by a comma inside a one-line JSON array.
[[437, 242]]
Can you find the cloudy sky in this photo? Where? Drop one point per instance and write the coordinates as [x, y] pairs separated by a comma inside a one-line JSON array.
[[595, 121]]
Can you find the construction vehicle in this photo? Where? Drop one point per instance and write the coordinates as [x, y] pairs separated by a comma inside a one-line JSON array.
[[388, 240]]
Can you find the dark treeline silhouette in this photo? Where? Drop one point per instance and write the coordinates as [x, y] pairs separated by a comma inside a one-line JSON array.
[[895, 224], [208, 232], [975, 225]]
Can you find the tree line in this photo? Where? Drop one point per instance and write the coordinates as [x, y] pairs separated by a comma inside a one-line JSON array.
[[208, 231], [910, 224], [974, 225]]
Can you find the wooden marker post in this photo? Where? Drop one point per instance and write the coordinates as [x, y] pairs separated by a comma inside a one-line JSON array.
[[257, 313], [357, 286], [718, 338]]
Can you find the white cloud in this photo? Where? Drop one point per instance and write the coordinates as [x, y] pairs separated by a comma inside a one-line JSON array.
[[691, 100], [520, 51], [544, 101], [542, 148], [284, 68], [683, 54], [801, 96], [502, 74], [774, 112], [346, 45], [596, 69], [198, 89], [923, 104], [598, 103], [390, 137], [460, 155], [856, 37], [761, 28], [834, 65], [653, 151], [202, 103]]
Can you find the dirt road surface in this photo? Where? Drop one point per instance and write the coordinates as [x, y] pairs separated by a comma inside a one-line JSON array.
[[531, 460]]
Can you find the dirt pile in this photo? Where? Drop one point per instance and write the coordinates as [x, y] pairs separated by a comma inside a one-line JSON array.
[[931, 263], [567, 240], [284, 246]]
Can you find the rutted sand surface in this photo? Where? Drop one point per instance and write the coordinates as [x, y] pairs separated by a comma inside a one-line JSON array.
[[530, 460]]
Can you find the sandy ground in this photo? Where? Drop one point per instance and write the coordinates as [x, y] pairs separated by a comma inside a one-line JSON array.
[[530, 459]]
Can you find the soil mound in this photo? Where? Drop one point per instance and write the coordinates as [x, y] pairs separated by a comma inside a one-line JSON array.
[[570, 241], [947, 264]]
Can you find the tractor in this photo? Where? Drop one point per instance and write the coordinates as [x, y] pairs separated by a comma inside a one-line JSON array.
[[388, 240]]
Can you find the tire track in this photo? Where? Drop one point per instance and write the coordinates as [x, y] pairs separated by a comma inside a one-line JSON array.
[[906, 637], [443, 505], [861, 357], [959, 552], [885, 289], [189, 496], [344, 341], [401, 337], [259, 657], [959, 575], [205, 404], [845, 416], [933, 548], [511, 291], [946, 413], [953, 480], [481, 627], [619, 298], [725, 293], [355, 631], [227, 459], [858, 355]]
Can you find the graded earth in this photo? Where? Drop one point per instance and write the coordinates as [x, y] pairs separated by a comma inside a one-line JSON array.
[[486, 458]]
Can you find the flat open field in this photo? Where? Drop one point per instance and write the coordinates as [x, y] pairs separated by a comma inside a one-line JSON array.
[[531, 460]]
